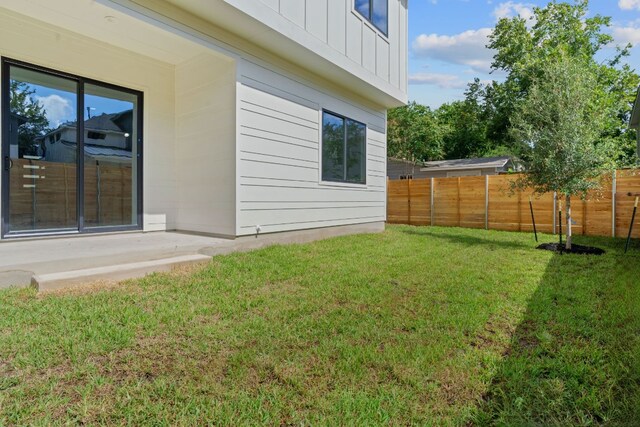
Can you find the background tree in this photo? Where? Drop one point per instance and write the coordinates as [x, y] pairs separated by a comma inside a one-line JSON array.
[[414, 133], [23, 103], [524, 51], [479, 126], [560, 124], [466, 133]]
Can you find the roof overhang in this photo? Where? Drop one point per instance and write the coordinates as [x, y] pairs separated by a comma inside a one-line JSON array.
[[258, 25]]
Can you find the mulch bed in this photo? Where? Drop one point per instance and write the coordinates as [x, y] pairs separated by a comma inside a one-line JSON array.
[[575, 249]]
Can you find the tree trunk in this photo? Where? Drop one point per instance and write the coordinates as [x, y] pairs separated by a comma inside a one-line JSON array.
[[568, 215]]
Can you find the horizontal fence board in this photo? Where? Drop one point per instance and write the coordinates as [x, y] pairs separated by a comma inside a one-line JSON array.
[[463, 202]]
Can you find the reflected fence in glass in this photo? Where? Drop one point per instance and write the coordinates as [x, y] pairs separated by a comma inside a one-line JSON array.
[[71, 153]]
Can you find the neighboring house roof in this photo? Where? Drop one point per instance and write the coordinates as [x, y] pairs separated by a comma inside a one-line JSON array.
[[634, 123], [408, 162], [460, 164], [95, 151], [102, 123]]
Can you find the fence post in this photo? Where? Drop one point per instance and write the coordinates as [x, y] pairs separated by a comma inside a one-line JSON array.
[[555, 205], [486, 202], [584, 217], [432, 192], [409, 201], [519, 210], [459, 219], [614, 189], [386, 202]]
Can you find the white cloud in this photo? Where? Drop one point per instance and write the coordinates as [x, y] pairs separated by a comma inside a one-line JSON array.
[[512, 9], [444, 81], [629, 4], [467, 48], [624, 35], [57, 109]]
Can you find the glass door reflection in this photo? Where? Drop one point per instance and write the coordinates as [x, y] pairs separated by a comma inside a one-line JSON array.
[[42, 160], [110, 157]]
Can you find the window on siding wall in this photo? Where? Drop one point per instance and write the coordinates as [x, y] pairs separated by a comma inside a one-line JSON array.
[[376, 12], [343, 149]]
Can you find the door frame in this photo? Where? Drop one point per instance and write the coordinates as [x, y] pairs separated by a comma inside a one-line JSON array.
[[5, 233]]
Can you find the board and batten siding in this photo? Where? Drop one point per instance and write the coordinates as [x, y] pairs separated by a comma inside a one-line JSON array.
[[279, 156], [340, 27]]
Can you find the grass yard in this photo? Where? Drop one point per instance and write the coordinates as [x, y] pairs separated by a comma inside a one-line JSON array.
[[424, 326]]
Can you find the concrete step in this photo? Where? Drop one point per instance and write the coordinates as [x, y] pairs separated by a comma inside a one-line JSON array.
[[74, 278]]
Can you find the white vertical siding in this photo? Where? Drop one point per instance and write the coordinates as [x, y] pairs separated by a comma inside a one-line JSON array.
[[403, 44], [279, 151], [273, 4], [317, 18], [337, 26], [205, 145], [369, 50], [335, 23], [293, 10]]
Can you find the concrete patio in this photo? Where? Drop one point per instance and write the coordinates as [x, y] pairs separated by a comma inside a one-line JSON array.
[[22, 260], [54, 263]]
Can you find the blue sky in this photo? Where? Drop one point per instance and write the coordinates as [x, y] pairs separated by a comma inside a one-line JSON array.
[[447, 39]]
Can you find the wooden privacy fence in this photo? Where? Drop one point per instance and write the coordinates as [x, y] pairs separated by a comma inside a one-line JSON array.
[[488, 202]]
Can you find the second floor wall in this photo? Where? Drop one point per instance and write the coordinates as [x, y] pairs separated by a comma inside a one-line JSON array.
[[378, 45], [354, 43]]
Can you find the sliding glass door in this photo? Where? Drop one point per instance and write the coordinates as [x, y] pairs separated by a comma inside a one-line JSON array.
[[110, 153], [72, 153]]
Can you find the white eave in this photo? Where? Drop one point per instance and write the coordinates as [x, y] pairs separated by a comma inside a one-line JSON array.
[[262, 26]]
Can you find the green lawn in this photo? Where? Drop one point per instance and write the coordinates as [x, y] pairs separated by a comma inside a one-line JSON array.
[[424, 326]]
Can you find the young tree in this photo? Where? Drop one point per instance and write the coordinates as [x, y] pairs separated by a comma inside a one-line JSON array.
[[560, 124], [414, 133]]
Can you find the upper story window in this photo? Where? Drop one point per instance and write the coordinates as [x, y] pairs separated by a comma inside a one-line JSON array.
[[376, 12], [344, 157]]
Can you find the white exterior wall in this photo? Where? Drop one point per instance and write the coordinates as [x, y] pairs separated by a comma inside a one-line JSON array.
[[279, 156], [230, 144], [343, 31], [32, 41], [205, 145]]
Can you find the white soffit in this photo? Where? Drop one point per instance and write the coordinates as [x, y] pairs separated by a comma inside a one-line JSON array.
[[108, 25]]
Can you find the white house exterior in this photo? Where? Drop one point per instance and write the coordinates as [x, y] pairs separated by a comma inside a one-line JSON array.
[[235, 105]]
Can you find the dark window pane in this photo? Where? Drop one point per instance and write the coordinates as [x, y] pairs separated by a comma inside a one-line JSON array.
[[356, 152], [380, 15], [332, 148], [362, 6]]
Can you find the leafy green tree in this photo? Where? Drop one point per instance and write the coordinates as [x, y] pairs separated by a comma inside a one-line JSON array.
[[465, 125], [33, 114], [560, 125], [414, 133], [524, 51]]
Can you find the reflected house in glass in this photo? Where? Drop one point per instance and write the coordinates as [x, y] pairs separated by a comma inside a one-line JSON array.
[[230, 118], [107, 138]]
